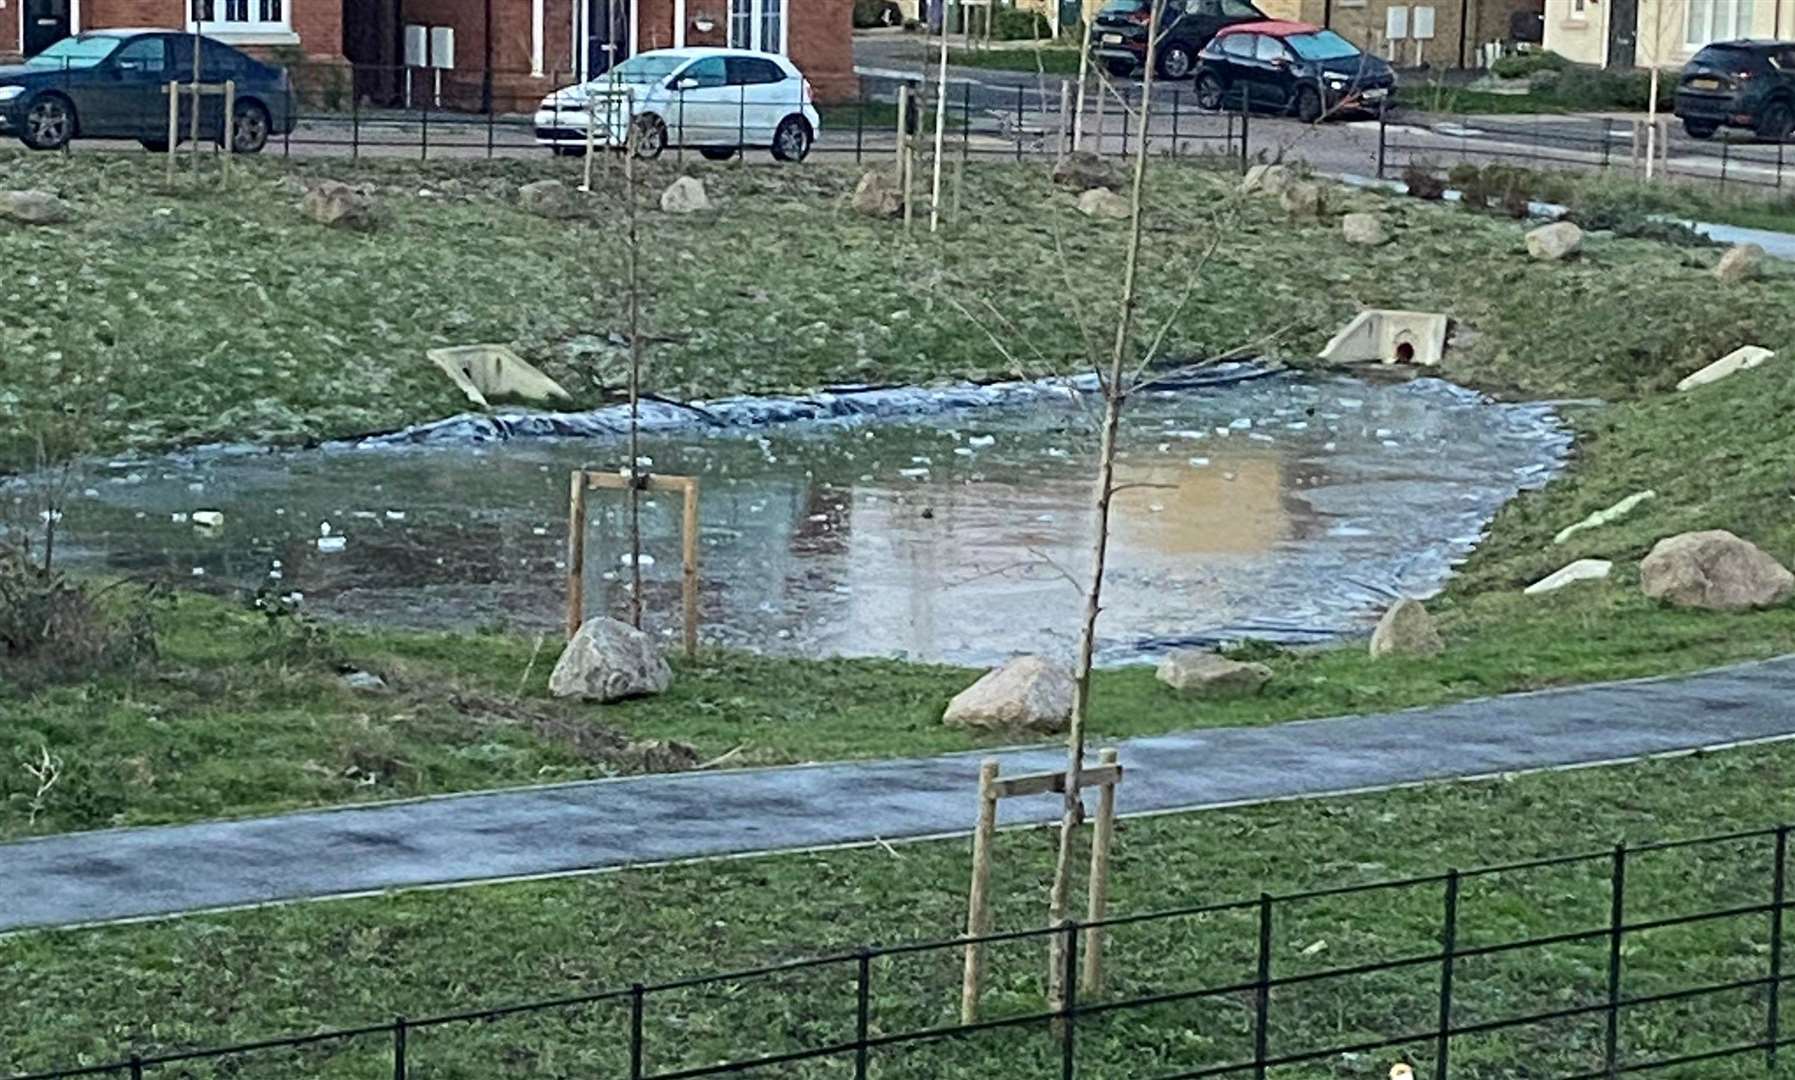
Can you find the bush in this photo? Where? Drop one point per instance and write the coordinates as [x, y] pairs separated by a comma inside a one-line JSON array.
[[1522, 65], [1579, 87], [870, 13], [1010, 24], [52, 627]]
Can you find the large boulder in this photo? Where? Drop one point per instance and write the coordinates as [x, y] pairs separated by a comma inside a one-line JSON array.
[[1366, 230], [878, 195], [33, 208], [1551, 243], [1200, 673], [1714, 570], [1266, 180], [609, 660], [1082, 170], [548, 198], [685, 196], [1303, 199], [1029, 693], [339, 206], [1742, 262], [1104, 203], [1406, 630]]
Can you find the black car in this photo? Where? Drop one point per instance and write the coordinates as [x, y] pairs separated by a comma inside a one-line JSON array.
[[1119, 33], [1291, 67], [1749, 84], [112, 84]]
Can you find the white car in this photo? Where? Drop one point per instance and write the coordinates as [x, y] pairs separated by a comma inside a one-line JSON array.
[[717, 101]]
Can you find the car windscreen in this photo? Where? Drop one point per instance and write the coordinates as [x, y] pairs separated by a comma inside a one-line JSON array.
[[1123, 7], [76, 52], [1322, 45], [646, 68]]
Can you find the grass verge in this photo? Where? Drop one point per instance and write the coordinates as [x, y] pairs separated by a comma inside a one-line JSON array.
[[207, 980]]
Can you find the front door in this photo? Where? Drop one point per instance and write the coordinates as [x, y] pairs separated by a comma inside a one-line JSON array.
[[607, 35], [1623, 32], [46, 23]]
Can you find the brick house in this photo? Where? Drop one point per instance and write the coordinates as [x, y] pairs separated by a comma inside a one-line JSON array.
[[511, 50]]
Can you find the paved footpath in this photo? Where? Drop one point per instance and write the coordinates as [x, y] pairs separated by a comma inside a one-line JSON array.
[[132, 873]]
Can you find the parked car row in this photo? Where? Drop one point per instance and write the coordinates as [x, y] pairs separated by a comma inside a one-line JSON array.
[[1238, 57]]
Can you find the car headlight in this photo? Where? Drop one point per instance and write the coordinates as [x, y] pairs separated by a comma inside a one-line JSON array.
[[1336, 82], [7, 93]]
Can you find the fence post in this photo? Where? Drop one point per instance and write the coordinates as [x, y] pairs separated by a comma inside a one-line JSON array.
[[860, 127], [1019, 93], [1617, 891], [1383, 132], [1607, 138], [354, 127], [399, 1030], [1262, 993], [1779, 164], [136, 1067], [1726, 146], [1448, 946], [492, 107], [424, 135], [1773, 1018], [1246, 111], [1069, 1004], [863, 1012], [1177, 98], [1126, 124], [966, 122], [636, 1001]]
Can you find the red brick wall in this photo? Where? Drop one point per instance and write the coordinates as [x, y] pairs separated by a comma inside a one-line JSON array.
[[9, 29], [821, 41], [319, 23]]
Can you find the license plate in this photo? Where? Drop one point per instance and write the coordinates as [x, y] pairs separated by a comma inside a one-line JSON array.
[[1377, 94], [1112, 39], [1704, 84]]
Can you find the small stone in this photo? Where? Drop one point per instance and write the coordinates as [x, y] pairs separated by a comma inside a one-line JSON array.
[[1029, 693], [609, 660], [1551, 243], [877, 195], [548, 198], [365, 682], [33, 208], [1199, 673], [1744, 358], [1082, 170], [1742, 262], [1715, 571], [1581, 570], [1363, 229], [338, 206], [1303, 199], [207, 519], [1406, 630], [1104, 203], [685, 196]]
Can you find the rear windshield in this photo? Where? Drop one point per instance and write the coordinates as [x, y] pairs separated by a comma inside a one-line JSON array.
[[1322, 45], [1730, 57], [1123, 7]]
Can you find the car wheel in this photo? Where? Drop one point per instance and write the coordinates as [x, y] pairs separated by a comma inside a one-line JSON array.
[[1775, 121], [717, 153], [249, 128], [49, 123], [1175, 62], [650, 137], [1308, 104], [1210, 92], [1699, 129], [792, 141], [1121, 69]]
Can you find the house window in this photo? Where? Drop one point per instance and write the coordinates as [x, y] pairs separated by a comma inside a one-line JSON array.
[[240, 16], [1708, 21], [1580, 10], [757, 25]]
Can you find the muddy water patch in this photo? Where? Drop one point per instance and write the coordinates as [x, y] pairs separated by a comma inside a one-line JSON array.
[[1282, 508]]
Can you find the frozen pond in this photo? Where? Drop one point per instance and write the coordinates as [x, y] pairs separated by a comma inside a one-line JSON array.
[[1283, 508]]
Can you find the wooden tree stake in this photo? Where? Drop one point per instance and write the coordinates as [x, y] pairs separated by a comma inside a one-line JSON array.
[[978, 902], [1103, 834]]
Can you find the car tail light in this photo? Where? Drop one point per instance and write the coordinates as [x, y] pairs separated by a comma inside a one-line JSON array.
[[809, 93], [1144, 16]]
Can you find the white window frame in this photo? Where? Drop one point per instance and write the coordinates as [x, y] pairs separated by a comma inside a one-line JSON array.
[[757, 10], [1694, 38], [254, 31], [577, 46], [1580, 10]]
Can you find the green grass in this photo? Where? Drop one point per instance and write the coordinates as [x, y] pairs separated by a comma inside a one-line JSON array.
[[213, 979], [232, 721], [1046, 60]]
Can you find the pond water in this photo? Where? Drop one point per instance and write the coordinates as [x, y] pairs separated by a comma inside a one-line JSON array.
[[1279, 507]]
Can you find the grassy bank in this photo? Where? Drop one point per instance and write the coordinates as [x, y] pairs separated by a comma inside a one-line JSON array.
[[220, 978], [237, 718]]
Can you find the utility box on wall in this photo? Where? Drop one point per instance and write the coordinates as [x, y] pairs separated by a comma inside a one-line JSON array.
[[442, 47], [417, 46]]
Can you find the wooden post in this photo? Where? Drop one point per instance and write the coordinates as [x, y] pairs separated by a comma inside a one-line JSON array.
[[903, 115], [174, 125], [1059, 144], [689, 567], [576, 554], [193, 121], [230, 128], [1102, 835], [978, 902]]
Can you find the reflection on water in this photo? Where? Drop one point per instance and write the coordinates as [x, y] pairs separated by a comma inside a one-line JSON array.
[[1278, 508]]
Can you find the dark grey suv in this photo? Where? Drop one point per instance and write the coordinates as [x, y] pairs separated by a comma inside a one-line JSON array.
[[1748, 84]]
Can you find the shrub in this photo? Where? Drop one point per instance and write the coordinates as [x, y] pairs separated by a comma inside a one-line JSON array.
[[1522, 65], [870, 13], [52, 627], [1009, 24]]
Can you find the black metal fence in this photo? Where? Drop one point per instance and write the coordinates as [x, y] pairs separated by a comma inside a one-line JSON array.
[[1616, 146], [1662, 957]]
